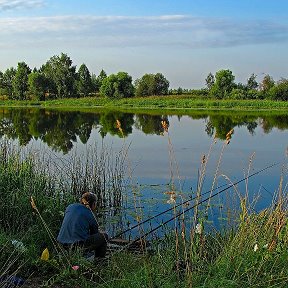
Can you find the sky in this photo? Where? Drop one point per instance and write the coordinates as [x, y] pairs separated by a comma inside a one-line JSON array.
[[183, 39]]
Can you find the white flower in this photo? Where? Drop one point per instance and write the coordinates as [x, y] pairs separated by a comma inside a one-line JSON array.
[[171, 200], [199, 228], [265, 246], [256, 247]]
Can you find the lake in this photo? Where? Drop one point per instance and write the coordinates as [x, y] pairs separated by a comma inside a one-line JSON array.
[[165, 166]]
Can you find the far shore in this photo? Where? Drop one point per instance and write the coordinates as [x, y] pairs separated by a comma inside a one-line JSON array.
[[167, 103]]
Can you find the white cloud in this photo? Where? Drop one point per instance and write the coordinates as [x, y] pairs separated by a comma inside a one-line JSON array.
[[16, 4], [125, 31]]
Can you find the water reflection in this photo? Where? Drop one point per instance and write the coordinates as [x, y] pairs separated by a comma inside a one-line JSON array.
[[61, 129]]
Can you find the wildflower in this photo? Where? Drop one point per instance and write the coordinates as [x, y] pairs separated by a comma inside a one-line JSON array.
[[164, 125], [255, 247], [199, 229], [230, 133], [169, 192], [265, 246], [229, 136], [118, 126], [75, 267], [183, 234], [171, 200]]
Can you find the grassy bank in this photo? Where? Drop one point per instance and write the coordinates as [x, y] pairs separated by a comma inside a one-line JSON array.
[[253, 254], [159, 102]]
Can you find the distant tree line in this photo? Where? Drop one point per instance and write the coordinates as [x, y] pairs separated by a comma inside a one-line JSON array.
[[223, 86], [58, 78]]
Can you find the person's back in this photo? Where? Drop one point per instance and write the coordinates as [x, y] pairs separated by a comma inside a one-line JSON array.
[[80, 228], [78, 224]]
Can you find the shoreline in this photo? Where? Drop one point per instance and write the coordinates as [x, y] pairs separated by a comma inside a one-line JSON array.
[[165, 103]]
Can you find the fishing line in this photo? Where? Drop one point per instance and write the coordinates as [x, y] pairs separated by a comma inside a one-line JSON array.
[[188, 209]]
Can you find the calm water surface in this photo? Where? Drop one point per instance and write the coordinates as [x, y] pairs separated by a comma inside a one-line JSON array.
[[162, 161]]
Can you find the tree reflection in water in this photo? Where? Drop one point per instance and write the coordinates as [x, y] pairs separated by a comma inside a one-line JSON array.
[[61, 129]]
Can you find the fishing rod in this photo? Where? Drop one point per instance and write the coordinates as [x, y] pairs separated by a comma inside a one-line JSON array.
[[163, 212], [191, 199], [201, 202]]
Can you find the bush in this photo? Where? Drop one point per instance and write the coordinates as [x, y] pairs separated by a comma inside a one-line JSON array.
[[280, 91]]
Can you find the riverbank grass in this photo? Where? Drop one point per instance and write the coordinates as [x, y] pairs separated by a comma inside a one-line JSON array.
[[252, 254], [152, 102]]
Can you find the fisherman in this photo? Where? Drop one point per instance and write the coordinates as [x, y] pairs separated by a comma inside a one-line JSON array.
[[80, 228]]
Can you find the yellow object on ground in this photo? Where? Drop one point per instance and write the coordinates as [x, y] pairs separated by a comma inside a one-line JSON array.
[[45, 255]]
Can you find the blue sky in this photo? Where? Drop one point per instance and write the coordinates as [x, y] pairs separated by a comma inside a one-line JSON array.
[[184, 40]]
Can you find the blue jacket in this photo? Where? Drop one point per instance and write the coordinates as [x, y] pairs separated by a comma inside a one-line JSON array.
[[78, 224]]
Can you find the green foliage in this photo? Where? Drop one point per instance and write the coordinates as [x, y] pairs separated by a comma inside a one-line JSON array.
[[161, 84], [117, 86], [98, 81], [20, 81], [265, 86], [61, 75], [237, 94], [38, 85], [224, 83], [145, 85], [279, 91], [210, 80], [6, 82], [84, 82], [109, 125], [252, 84], [58, 79], [151, 124], [151, 84]]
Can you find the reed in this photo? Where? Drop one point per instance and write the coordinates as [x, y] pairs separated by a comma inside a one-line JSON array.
[[25, 178], [252, 253]]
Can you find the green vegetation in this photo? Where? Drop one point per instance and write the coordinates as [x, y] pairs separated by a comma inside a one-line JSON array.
[[117, 86], [152, 102], [61, 129], [252, 254], [59, 79], [151, 84]]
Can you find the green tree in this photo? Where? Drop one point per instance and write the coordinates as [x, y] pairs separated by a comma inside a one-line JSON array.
[[20, 81], [162, 84], [6, 82], [145, 86], [224, 83], [117, 86], [38, 85], [179, 91], [151, 84], [84, 82], [61, 75], [280, 91], [210, 80], [252, 84], [100, 78], [267, 83]]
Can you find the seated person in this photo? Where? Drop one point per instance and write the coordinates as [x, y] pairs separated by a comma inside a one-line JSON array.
[[80, 228]]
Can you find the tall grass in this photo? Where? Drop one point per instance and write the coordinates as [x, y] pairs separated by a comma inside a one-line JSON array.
[[53, 186], [252, 253], [154, 102]]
